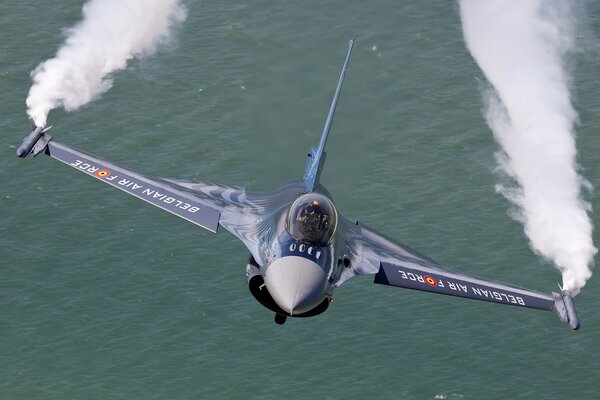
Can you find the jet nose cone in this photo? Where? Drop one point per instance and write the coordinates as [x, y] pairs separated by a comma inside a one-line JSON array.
[[296, 284]]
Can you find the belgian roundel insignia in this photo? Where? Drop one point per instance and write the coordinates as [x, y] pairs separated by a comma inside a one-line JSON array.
[[102, 173], [430, 281]]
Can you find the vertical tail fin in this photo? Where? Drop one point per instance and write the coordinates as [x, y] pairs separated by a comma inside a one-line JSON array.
[[316, 157]]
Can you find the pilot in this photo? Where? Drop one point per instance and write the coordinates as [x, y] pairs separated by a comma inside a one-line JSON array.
[[312, 220]]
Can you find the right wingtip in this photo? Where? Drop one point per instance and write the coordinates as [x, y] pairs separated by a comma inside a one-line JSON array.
[[565, 308]]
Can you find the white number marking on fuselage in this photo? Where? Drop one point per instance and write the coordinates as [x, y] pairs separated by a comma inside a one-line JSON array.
[[302, 248]]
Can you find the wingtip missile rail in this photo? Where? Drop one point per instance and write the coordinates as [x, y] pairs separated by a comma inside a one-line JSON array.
[[565, 308], [30, 143]]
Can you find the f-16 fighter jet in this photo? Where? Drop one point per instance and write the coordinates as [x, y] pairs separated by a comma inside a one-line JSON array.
[[301, 248]]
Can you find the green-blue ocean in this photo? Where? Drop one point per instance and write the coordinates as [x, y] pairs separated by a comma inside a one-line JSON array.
[[105, 297]]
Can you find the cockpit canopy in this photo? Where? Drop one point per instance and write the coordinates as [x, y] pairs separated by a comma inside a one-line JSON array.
[[312, 218]]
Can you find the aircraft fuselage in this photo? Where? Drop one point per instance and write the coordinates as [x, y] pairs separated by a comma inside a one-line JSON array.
[[299, 272]]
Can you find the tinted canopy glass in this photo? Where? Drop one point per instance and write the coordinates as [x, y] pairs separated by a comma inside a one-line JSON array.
[[313, 219]]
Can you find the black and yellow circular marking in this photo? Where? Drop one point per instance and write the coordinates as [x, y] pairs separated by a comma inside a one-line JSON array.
[[430, 281], [102, 173]]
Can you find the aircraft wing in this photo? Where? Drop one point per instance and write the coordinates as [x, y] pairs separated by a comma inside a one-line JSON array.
[[204, 204], [412, 275], [367, 248], [249, 217], [395, 264], [200, 211]]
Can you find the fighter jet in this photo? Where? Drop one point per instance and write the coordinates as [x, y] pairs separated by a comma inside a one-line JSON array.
[[301, 248]]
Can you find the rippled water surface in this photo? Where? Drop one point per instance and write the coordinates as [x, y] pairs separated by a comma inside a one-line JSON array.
[[102, 297]]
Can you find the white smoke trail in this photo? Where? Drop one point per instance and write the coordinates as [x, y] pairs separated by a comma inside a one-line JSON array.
[[521, 47], [110, 33]]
